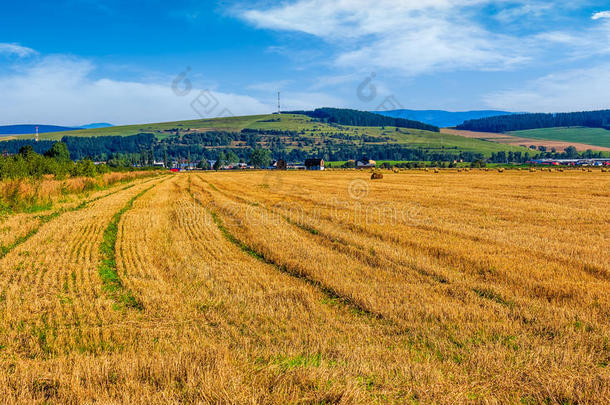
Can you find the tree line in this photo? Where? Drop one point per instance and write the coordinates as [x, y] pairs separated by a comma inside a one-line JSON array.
[[568, 153], [344, 116], [518, 122], [56, 161]]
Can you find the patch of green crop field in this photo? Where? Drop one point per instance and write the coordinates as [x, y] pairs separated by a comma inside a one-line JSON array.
[[590, 136]]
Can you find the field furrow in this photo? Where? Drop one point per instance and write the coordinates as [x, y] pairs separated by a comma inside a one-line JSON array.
[[37, 307], [288, 287]]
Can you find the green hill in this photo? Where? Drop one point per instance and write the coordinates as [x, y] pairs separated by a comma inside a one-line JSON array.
[[160, 130], [590, 136], [293, 137], [320, 133]]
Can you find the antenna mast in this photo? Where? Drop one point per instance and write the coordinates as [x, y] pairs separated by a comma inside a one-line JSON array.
[[36, 134], [279, 110]]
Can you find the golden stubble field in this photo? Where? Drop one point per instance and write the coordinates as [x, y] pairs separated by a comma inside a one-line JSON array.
[[318, 287]]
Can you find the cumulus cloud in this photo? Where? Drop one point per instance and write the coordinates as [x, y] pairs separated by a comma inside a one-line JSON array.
[[571, 90], [428, 36], [413, 37], [61, 90], [601, 15], [64, 91], [16, 49]]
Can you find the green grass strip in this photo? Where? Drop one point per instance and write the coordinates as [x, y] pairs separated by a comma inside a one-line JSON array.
[[111, 281], [6, 249], [333, 295]]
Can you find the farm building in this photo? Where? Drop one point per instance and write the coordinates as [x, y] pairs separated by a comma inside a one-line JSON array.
[[314, 164], [279, 164]]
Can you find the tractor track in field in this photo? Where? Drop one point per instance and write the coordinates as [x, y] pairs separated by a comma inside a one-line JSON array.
[[112, 283], [44, 219], [452, 258], [478, 274], [359, 253], [329, 292], [343, 246], [452, 261]]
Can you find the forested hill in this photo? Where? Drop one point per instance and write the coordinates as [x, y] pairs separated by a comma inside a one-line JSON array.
[[517, 122], [357, 118]]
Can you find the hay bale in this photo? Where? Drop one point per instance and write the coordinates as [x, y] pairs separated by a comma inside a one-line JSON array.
[[376, 176]]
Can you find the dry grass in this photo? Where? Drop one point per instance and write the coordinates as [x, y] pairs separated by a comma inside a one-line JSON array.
[[46, 199], [26, 194], [302, 288]]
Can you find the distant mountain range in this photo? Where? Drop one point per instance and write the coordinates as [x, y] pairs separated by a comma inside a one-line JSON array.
[[442, 118], [42, 129], [96, 125]]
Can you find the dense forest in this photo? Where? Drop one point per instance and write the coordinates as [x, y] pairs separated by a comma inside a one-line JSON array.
[[357, 118], [517, 122]]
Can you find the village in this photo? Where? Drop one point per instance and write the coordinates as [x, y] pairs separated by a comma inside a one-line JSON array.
[[280, 164]]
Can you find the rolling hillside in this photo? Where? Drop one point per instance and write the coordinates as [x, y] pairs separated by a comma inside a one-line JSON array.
[[591, 136], [290, 132], [160, 130], [536, 138]]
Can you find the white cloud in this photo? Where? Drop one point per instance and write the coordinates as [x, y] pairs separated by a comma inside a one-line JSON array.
[[292, 101], [408, 36], [572, 90], [16, 49], [60, 90], [270, 87], [428, 36], [601, 15], [523, 11]]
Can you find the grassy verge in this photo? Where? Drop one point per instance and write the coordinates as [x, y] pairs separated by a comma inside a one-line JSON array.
[[107, 270]]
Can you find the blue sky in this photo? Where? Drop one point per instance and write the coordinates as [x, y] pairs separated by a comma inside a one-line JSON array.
[[71, 62]]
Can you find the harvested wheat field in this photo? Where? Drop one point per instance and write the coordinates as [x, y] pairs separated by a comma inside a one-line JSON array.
[[315, 287]]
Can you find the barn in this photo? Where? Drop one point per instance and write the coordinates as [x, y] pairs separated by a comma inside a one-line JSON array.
[[281, 165]]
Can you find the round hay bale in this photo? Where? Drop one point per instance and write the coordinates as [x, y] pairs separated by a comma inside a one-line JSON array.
[[376, 176]]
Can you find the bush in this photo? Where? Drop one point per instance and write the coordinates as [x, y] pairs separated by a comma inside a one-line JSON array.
[[478, 164]]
